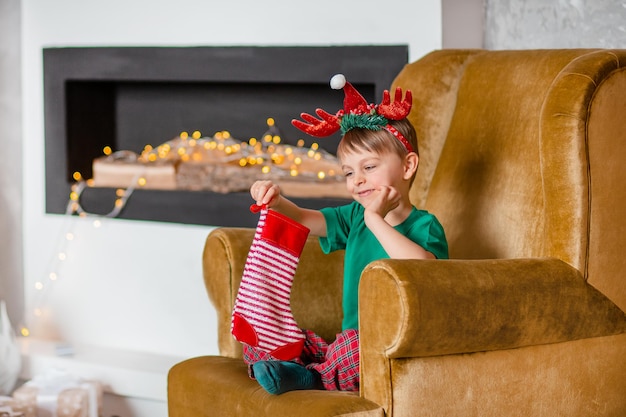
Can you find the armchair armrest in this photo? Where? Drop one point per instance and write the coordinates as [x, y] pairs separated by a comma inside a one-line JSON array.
[[223, 260], [315, 295], [435, 308], [412, 309]]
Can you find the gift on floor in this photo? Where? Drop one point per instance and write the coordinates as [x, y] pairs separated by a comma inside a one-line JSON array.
[[58, 394], [6, 408]]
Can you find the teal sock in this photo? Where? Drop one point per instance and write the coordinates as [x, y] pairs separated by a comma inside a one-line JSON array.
[[277, 377]]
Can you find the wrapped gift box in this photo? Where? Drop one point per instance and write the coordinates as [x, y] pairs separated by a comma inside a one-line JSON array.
[[7, 408], [57, 394]]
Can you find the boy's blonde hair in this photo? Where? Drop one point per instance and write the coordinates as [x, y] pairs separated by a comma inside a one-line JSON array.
[[378, 141]]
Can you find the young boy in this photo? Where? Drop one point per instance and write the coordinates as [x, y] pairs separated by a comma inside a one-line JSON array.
[[378, 153]]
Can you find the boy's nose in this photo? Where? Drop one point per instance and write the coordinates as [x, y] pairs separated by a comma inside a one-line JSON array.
[[358, 179]]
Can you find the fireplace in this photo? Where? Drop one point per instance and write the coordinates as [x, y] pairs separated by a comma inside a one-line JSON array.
[[127, 97]]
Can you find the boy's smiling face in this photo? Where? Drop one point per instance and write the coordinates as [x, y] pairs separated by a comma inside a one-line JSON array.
[[367, 171]]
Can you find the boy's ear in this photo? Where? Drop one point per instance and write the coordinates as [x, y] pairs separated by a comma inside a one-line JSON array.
[[411, 161]]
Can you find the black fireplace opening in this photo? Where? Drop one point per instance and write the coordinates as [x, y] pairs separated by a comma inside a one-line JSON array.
[[129, 97]]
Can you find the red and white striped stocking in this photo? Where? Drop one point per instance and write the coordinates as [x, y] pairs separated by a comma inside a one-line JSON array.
[[262, 314]]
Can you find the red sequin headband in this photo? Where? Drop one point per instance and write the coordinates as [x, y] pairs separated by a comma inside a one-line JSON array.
[[357, 113]]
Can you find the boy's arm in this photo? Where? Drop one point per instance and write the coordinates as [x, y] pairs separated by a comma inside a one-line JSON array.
[[395, 243]]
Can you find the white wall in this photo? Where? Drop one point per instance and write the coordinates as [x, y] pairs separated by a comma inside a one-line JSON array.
[[536, 24], [462, 23], [11, 283], [138, 285]]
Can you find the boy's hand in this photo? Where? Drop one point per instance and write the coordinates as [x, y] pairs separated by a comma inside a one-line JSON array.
[[387, 199], [265, 192]]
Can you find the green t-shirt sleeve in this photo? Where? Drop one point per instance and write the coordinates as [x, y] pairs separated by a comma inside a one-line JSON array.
[[338, 223], [436, 242]]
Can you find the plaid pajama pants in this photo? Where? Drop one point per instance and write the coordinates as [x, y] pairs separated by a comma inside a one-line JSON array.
[[337, 363]]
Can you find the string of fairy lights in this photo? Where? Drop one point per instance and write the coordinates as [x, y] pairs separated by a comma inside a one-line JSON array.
[[266, 153]]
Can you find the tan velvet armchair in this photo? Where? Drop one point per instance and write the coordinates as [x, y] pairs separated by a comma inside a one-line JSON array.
[[523, 160]]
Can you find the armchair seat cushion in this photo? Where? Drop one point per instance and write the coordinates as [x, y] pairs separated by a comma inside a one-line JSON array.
[[220, 386]]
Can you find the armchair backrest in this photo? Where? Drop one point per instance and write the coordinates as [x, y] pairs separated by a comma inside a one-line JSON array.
[[522, 154]]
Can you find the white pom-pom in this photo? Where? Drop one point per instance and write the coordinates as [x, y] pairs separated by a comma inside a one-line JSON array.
[[337, 82]]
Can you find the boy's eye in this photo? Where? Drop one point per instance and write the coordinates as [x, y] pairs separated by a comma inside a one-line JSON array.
[[347, 174], [370, 167]]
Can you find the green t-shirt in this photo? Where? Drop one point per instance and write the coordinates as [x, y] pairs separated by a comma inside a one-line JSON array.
[[346, 229]]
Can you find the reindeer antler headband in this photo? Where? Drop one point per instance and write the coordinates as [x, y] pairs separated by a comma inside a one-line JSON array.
[[357, 113]]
